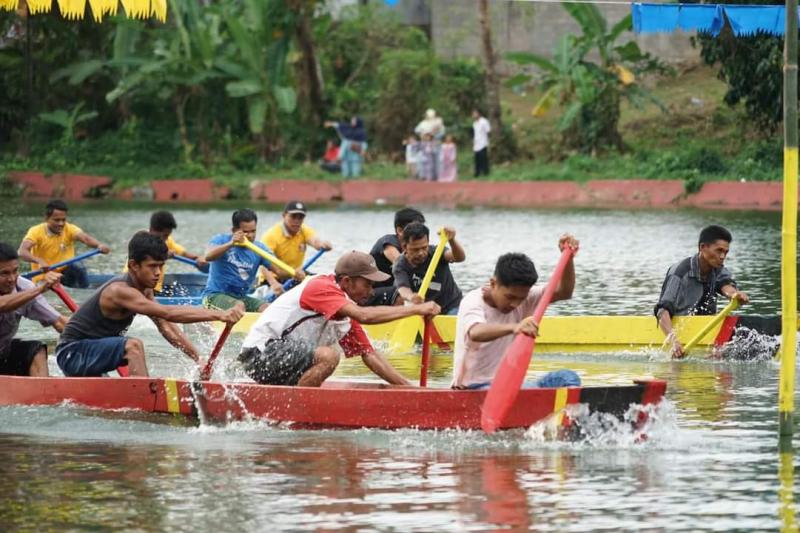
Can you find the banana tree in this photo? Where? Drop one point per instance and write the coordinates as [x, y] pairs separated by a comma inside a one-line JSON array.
[[255, 62], [589, 92]]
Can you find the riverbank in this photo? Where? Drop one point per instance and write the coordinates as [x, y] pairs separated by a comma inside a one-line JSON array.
[[609, 194]]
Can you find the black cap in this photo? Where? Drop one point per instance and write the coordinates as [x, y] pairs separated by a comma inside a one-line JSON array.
[[295, 207]]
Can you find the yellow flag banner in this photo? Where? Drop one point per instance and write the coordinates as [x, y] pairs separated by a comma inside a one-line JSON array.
[[76, 9]]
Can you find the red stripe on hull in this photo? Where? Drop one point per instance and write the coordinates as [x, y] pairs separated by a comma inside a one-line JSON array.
[[336, 404]]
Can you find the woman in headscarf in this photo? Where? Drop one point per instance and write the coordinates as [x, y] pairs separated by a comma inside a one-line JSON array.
[[353, 146], [433, 125]]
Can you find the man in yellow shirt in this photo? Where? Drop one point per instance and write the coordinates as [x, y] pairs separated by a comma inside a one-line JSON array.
[[52, 241], [288, 239], [162, 224]]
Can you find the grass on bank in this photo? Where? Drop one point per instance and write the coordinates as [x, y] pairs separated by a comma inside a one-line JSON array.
[[699, 139]]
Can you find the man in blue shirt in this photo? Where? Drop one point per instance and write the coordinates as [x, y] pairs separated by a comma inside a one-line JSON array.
[[233, 268]]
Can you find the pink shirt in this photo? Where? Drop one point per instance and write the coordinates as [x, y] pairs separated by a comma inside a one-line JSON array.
[[477, 362]]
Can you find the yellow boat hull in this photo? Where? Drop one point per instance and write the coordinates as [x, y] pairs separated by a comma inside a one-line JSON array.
[[557, 333]]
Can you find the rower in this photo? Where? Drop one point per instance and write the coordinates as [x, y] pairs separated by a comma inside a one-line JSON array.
[[162, 224], [411, 266], [234, 268], [52, 242], [386, 250], [293, 341], [19, 298], [691, 286], [94, 342], [490, 317], [289, 239]]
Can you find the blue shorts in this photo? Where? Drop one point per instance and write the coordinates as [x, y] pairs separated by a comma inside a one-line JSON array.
[[558, 378], [91, 357]]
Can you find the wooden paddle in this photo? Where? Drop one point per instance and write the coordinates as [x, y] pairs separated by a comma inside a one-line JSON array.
[[426, 331], [205, 373], [64, 263], [268, 256], [72, 306], [732, 305], [511, 372], [289, 283]]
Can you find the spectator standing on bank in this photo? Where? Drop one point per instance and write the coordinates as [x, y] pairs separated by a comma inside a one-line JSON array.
[[449, 164], [353, 146], [480, 143], [412, 156], [432, 125]]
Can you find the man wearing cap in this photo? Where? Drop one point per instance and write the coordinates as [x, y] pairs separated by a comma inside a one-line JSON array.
[[289, 239], [293, 341]]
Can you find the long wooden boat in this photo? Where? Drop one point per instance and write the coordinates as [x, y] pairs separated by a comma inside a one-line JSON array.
[[589, 334], [336, 404]]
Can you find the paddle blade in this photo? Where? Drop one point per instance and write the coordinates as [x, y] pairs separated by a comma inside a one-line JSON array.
[[205, 374], [68, 301], [511, 374], [426, 353]]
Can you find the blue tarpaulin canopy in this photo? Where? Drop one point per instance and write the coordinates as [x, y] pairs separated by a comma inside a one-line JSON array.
[[708, 18]]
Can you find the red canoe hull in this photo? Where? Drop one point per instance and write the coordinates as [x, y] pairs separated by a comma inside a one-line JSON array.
[[336, 404]]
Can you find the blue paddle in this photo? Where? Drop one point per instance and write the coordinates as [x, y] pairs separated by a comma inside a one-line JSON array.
[[289, 283], [192, 262], [68, 262]]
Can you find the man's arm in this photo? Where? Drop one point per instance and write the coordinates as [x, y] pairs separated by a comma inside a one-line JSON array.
[[134, 301], [272, 280], [391, 253], [386, 313], [456, 253], [731, 292], [91, 242], [176, 337], [380, 366], [25, 253], [402, 281], [665, 323], [59, 324], [566, 285], [319, 244], [15, 300]]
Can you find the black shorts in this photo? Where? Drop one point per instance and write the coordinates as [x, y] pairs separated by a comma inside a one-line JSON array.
[[17, 359], [383, 296], [282, 362]]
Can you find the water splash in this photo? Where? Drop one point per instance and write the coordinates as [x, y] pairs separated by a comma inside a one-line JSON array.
[[750, 345], [607, 431]]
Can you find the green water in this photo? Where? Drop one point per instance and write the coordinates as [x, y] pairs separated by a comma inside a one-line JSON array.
[[711, 462]]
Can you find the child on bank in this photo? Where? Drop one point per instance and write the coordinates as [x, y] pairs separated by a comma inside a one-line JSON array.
[[449, 164], [412, 156]]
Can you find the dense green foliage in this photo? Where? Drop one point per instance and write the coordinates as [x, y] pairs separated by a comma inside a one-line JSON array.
[[752, 67], [218, 88], [588, 90]]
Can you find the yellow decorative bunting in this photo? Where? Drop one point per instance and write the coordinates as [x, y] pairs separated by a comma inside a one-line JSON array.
[[75, 9]]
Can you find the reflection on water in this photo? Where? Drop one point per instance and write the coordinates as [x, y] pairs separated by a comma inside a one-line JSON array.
[[709, 462]]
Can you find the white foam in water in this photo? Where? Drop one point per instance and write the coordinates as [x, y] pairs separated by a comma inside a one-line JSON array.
[[604, 430], [750, 345]]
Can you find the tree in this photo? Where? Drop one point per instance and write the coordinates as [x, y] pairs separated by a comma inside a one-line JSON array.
[[589, 92], [490, 65]]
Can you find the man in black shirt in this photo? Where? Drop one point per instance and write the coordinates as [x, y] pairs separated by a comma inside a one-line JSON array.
[[691, 286], [386, 251], [410, 268]]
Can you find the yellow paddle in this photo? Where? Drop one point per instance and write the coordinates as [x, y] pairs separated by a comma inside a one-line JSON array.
[[269, 257], [406, 332], [732, 305]]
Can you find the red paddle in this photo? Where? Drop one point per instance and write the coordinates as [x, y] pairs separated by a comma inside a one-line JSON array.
[[511, 373], [205, 374], [426, 352], [72, 306]]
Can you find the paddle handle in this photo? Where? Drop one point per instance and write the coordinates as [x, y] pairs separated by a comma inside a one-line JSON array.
[[205, 374], [72, 306], [514, 366], [268, 256], [290, 282], [437, 255], [728, 309], [426, 353], [64, 263]]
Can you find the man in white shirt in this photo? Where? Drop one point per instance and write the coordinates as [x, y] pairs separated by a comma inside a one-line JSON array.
[[490, 316], [480, 143]]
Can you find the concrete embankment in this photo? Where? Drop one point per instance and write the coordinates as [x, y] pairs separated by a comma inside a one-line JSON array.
[[611, 194]]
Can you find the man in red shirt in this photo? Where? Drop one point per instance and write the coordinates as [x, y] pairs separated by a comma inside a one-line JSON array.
[[293, 341]]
